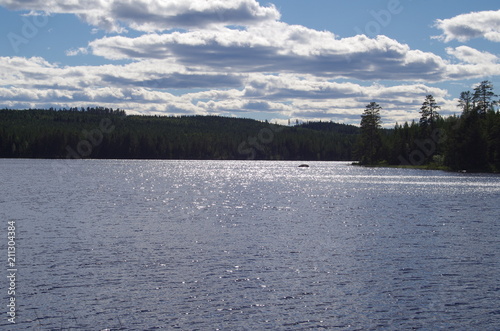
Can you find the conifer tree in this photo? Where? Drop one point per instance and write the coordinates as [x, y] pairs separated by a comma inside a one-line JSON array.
[[483, 95], [465, 102], [370, 141], [429, 113]]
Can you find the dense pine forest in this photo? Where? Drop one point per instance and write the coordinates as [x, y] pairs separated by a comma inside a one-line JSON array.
[[104, 133], [469, 142]]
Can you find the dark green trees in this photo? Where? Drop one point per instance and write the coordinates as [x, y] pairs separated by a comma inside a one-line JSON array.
[[40, 133], [468, 142], [465, 102], [429, 114], [475, 137], [370, 141], [483, 97]]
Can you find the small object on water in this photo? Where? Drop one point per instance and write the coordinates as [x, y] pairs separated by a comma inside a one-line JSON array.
[[304, 166]]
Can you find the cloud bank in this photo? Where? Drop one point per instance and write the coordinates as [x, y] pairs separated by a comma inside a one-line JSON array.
[[280, 48], [236, 57], [485, 24], [154, 15], [35, 82]]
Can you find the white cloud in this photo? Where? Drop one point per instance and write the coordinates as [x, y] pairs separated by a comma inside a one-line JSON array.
[[279, 47], [472, 63], [37, 83], [470, 55], [154, 15], [80, 50], [262, 44], [484, 24]]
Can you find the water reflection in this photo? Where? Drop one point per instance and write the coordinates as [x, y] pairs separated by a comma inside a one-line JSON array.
[[253, 245]]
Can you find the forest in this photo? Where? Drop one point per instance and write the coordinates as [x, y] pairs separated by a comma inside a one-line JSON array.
[[103, 133], [468, 142]]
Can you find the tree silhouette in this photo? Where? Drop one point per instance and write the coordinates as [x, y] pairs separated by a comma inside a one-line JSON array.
[[370, 140], [483, 95], [39, 133], [465, 102], [429, 113]]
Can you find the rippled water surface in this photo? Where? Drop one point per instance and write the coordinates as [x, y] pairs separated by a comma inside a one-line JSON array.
[[206, 245]]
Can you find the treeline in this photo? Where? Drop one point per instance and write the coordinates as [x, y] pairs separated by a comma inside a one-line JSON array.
[[469, 142], [92, 110], [104, 133]]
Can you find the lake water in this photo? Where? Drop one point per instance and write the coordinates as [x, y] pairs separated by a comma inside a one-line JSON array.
[[207, 245]]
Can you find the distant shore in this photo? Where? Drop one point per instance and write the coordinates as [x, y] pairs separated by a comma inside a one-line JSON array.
[[420, 167]]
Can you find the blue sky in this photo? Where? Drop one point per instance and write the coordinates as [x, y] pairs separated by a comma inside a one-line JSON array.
[[275, 60]]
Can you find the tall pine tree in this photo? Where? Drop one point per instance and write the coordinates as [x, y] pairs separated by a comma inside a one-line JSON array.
[[465, 102], [483, 95], [429, 113], [370, 140]]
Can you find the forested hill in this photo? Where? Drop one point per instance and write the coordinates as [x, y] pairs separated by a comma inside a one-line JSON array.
[[104, 133], [331, 127]]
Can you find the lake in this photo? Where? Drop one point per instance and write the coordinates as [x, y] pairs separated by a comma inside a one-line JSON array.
[[250, 245]]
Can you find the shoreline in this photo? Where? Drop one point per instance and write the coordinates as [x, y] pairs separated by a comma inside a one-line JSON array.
[[423, 167], [351, 163]]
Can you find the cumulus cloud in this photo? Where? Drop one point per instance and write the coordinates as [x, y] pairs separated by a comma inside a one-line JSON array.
[[77, 51], [35, 82], [286, 86], [279, 47], [154, 15], [485, 24], [470, 55], [472, 63]]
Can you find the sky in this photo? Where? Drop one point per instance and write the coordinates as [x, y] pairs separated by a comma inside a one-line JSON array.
[[267, 60]]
